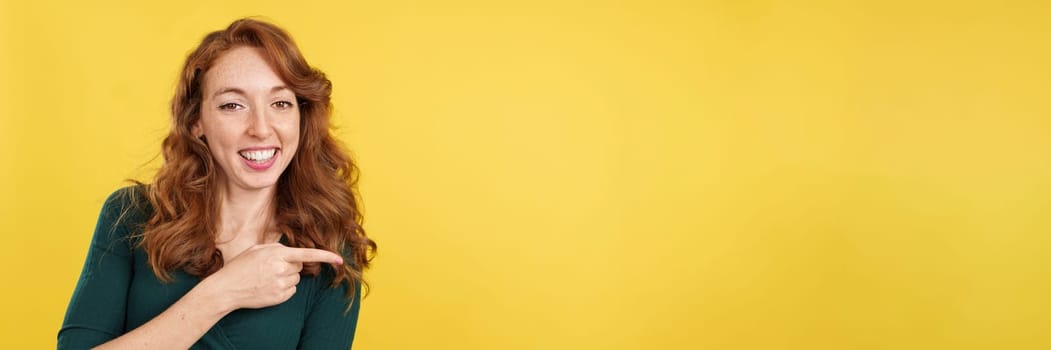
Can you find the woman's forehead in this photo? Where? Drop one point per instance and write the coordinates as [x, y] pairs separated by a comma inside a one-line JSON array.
[[242, 70]]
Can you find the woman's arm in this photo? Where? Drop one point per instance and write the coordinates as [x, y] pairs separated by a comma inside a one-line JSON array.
[[329, 324], [96, 312], [182, 324], [262, 276]]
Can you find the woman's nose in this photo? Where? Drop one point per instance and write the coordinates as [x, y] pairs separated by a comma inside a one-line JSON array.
[[259, 126]]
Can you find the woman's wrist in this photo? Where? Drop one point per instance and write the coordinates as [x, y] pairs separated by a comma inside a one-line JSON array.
[[211, 296]]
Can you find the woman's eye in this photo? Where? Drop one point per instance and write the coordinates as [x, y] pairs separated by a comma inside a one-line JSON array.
[[229, 106], [283, 104]]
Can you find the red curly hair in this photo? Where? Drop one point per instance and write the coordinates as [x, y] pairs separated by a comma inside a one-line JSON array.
[[316, 202]]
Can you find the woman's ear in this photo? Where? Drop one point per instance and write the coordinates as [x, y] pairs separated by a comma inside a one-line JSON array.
[[196, 130]]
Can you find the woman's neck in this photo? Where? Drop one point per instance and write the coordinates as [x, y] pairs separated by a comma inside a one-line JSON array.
[[244, 212]]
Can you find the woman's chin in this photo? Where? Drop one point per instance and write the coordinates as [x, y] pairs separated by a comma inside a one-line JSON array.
[[255, 183]]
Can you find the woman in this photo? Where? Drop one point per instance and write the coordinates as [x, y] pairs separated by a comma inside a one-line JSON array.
[[250, 236]]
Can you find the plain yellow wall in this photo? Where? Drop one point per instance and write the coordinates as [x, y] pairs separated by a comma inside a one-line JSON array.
[[599, 174]]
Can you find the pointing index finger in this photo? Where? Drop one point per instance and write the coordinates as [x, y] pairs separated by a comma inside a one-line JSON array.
[[312, 255]]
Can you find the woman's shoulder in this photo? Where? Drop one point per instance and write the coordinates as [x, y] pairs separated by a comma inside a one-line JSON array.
[[128, 198], [125, 211]]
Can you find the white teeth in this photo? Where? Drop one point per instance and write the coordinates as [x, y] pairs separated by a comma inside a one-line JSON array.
[[260, 155]]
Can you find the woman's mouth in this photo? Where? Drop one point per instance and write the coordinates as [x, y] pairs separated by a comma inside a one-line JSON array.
[[259, 158]]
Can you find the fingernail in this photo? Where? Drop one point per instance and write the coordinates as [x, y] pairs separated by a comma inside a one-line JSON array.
[[339, 261]]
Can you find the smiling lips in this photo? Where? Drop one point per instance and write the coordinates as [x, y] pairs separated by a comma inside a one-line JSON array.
[[259, 158]]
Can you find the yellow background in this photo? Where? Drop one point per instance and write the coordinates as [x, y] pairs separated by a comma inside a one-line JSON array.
[[598, 174]]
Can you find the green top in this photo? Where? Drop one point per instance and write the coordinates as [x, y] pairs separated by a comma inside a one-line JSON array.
[[118, 292]]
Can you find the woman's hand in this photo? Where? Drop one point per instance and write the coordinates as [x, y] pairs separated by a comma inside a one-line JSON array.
[[265, 275]]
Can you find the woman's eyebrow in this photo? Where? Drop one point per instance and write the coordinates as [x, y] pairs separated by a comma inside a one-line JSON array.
[[242, 92], [227, 90]]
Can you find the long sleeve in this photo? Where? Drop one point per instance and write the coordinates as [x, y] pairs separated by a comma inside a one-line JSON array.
[[327, 326], [96, 312]]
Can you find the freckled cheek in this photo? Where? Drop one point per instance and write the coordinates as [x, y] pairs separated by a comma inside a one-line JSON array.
[[221, 138], [290, 133], [292, 144]]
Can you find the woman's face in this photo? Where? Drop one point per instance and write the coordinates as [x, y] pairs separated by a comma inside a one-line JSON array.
[[249, 118]]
